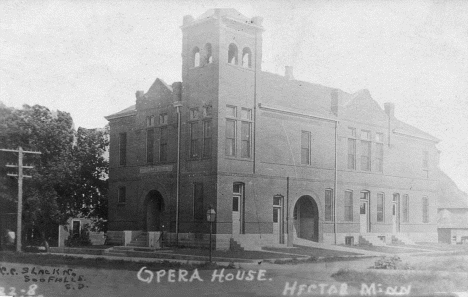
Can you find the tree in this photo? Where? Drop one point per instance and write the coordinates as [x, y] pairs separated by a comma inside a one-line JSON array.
[[69, 177]]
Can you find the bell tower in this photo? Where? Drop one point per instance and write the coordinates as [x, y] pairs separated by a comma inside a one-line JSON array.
[[219, 37]]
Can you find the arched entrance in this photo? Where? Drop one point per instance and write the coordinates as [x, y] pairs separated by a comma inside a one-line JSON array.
[[306, 219], [154, 208]]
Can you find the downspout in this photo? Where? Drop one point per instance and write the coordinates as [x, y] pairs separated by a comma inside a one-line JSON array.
[[178, 105], [289, 242], [255, 108], [336, 181]]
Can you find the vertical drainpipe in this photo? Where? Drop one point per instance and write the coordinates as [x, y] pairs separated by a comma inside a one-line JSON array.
[[255, 107], [288, 243], [336, 181], [177, 89]]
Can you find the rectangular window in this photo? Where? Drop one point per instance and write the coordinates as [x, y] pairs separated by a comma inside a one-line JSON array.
[[163, 119], [194, 142], [425, 210], [193, 113], [150, 121], [235, 203], [365, 155], [150, 145], [206, 139], [198, 210], [246, 131], [328, 205], [275, 214], [123, 148], [379, 137], [380, 207], [365, 135], [348, 206], [305, 147], [231, 111], [163, 145], [230, 137], [352, 132], [246, 114], [425, 161], [405, 206], [207, 111], [379, 157], [122, 195], [351, 153]]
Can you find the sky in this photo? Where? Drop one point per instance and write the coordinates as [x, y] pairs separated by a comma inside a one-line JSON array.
[[90, 57]]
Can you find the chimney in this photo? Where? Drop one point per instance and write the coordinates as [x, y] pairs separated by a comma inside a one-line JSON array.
[[187, 20], [389, 109], [334, 102], [139, 94], [177, 91], [288, 74]]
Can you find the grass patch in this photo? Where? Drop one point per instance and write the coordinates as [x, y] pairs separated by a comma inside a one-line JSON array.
[[99, 262], [421, 283], [451, 264], [311, 251]]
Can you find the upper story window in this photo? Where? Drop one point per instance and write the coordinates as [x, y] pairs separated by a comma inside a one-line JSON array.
[[206, 138], [365, 150], [150, 121], [122, 195], [194, 114], [163, 119], [207, 111], [232, 54], [163, 145], [231, 131], [194, 140], [198, 210], [352, 148], [246, 58], [379, 152], [123, 149], [208, 54], [196, 56], [305, 147], [246, 132], [150, 145], [425, 163]]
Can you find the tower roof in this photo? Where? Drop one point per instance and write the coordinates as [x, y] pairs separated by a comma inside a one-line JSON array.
[[223, 12]]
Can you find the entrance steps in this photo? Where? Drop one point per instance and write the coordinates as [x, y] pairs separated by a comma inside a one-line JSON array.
[[371, 240], [140, 241]]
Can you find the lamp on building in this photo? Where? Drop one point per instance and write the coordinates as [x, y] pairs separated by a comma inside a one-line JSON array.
[[211, 217]]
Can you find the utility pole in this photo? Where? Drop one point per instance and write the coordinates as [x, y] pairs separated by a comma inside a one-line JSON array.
[[20, 177]]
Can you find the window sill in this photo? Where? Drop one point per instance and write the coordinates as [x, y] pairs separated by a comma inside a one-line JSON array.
[[241, 67]]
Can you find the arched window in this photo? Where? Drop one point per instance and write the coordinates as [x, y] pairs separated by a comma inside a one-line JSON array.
[[232, 54], [196, 57], [208, 56], [246, 58]]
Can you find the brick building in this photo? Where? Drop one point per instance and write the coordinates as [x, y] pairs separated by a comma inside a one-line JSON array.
[[268, 152]]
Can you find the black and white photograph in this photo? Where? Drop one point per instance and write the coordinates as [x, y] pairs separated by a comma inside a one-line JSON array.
[[233, 148]]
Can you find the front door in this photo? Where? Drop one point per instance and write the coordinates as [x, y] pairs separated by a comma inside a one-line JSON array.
[[278, 218], [236, 215], [396, 213], [363, 217]]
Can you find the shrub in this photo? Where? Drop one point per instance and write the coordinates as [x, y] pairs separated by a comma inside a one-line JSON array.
[[391, 263], [81, 240]]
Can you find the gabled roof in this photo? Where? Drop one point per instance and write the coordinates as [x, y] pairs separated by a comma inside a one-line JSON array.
[[129, 111], [450, 196], [409, 130]]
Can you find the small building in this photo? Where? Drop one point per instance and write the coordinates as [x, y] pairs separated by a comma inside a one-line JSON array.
[[452, 224], [75, 227], [279, 159]]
